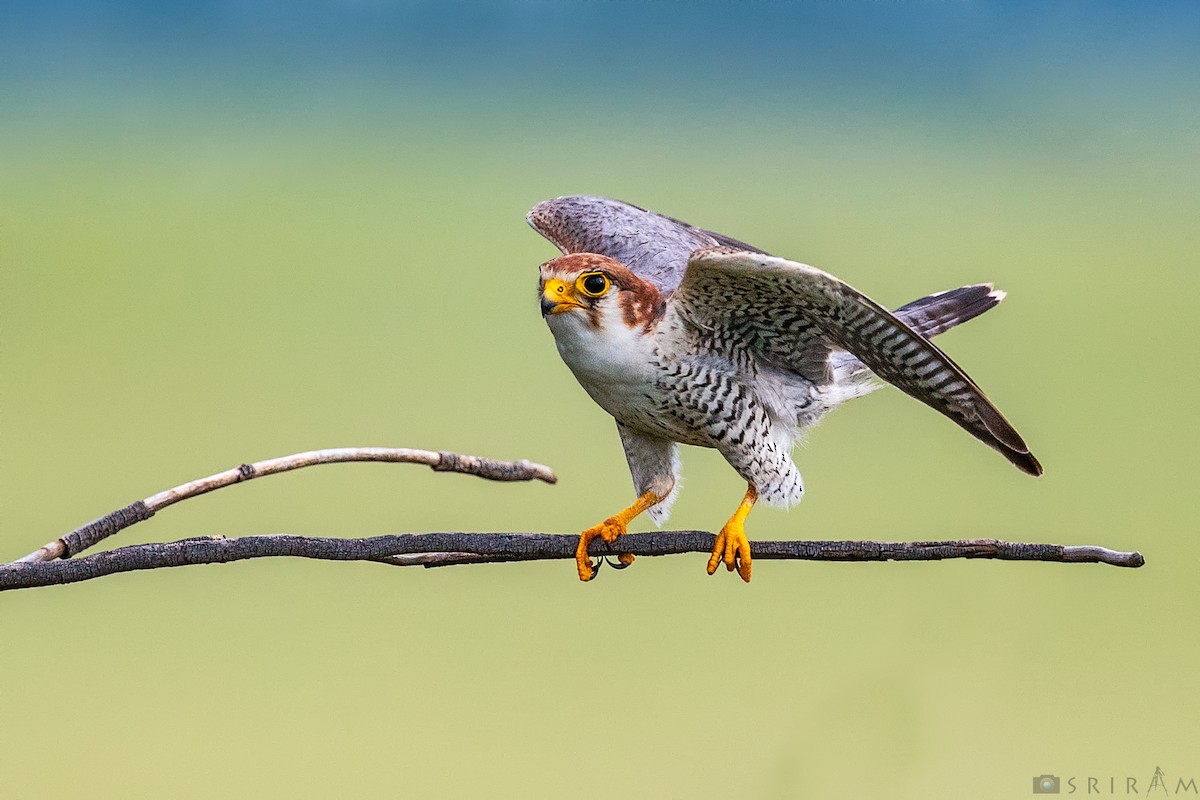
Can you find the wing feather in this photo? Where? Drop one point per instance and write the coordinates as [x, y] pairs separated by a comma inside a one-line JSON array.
[[654, 247], [798, 306]]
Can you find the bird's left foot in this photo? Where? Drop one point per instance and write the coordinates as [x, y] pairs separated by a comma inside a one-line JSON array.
[[732, 546]]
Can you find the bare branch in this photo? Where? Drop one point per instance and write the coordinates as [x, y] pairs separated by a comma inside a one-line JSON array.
[[97, 530], [444, 549], [438, 549]]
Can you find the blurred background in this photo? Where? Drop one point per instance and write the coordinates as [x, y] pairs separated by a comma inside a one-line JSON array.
[[235, 230]]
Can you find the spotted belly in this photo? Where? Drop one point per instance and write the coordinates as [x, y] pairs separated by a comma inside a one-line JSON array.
[[691, 403]]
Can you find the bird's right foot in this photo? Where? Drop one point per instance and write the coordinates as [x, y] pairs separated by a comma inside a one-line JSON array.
[[608, 530]]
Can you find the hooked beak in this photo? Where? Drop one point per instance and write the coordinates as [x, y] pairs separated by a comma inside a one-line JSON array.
[[558, 297]]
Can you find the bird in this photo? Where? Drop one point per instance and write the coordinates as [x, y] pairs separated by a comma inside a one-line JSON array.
[[690, 337]]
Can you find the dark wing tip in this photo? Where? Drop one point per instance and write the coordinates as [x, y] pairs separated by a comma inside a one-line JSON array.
[[1026, 462], [1006, 439]]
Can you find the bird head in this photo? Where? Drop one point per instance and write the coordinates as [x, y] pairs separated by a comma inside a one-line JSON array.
[[596, 291]]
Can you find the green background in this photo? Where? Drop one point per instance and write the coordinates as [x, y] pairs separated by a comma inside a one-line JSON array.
[[245, 232]]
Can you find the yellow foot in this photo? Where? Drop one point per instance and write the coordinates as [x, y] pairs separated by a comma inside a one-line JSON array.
[[733, 548], [731, 545], [608, 530]]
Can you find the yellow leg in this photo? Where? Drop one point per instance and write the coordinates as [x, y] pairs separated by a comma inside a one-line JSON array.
[[732, 546], [609, 530]]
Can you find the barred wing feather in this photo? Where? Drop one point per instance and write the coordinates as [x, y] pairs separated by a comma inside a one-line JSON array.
[[796, 306]]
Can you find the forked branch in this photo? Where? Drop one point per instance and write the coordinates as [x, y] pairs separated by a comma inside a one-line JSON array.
[[100, 529], [54, 563]]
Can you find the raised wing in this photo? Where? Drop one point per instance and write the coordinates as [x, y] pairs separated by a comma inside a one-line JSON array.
[[790, 305], [654, 247]]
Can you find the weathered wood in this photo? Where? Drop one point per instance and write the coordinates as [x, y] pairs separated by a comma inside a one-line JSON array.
[[443, 549], [98, 530]]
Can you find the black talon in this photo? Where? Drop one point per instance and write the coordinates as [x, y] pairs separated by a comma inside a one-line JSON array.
[[604, 557]]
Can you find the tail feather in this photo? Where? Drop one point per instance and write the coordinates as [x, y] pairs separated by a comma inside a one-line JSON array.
[[928, 316], [940, 312]]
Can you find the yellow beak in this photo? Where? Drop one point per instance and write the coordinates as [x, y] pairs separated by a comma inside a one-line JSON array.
[[559, 296]]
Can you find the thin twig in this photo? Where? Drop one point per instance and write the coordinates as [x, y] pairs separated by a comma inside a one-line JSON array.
[[443, 548], [97, 530]]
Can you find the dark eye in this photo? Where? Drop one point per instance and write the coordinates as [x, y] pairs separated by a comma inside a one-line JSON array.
[[594, 285]]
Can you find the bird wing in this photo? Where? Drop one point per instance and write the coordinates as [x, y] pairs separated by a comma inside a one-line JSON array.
[[780, 304], [928, 316], [654, 247]]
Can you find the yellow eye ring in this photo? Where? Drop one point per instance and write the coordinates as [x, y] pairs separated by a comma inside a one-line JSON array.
[[593, 284]]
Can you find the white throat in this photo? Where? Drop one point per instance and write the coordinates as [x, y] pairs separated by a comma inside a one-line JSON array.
[[613, 362]]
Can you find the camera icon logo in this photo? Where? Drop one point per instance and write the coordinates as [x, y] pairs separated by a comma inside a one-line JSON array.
[[1046, 784]]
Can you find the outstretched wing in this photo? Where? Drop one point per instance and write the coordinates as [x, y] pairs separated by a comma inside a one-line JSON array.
[[654, 247], [783, 305]]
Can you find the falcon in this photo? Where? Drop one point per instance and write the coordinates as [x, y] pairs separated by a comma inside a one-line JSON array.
[[686, 336]]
